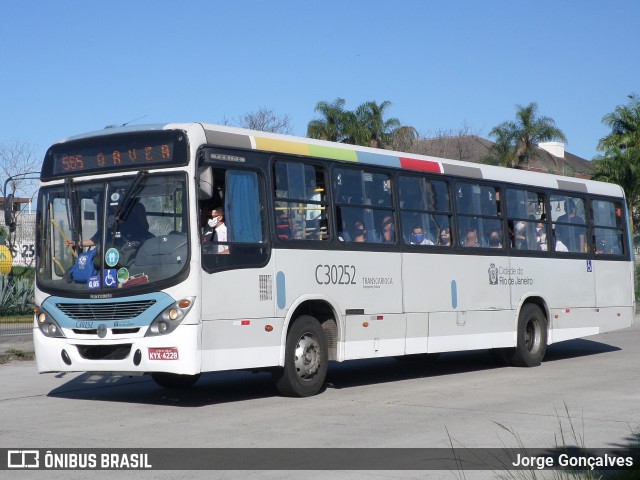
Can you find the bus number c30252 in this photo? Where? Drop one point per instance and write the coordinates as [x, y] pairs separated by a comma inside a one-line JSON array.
[[336, 275]]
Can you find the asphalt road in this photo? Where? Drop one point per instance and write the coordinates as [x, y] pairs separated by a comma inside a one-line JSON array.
[[587, 392]]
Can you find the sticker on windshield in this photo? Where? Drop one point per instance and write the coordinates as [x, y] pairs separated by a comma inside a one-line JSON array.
[[110, 280], [111, 257], [93, 282], [123, 275]]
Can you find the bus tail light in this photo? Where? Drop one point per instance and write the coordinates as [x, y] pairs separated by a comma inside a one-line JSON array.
[[170, 317]]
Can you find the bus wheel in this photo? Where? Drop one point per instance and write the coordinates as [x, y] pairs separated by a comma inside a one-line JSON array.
[[306, 359], [173, 380], [532, 337]]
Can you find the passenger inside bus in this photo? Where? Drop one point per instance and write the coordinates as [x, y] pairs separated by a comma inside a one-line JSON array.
[[388, 231], [445, 237], [358, 233], [520, 236], [495, 239], [418, 237], [471, 239]]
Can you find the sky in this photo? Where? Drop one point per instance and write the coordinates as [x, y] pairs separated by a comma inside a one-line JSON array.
[[70, 67]]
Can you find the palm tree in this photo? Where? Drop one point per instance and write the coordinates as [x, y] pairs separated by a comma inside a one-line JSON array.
[[624, 122], [379, 131], [620, 161], [365, 126], [526, 132], [333, 123]]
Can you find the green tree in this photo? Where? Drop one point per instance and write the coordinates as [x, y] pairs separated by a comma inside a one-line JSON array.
[[378, 131], [365, 126], [620, 160], [517, 140], [334, 124]]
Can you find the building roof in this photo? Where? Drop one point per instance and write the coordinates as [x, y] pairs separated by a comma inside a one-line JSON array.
[[471, 148]]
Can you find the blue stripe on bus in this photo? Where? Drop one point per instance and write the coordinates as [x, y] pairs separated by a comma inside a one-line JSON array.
[[281, 290], [454, 294], [377, 159]]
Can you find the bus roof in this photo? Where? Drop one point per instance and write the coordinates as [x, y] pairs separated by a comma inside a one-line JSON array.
[[233, 137]]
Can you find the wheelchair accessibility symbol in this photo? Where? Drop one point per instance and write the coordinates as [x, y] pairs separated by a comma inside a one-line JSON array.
[[110, 279]]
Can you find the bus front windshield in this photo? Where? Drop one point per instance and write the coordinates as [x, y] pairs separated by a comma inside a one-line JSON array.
[[119, 233]]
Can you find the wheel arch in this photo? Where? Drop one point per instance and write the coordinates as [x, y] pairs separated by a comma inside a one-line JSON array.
[[324, 310], [539, 301]]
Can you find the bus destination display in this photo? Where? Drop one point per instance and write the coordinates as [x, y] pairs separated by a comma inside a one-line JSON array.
[[114, 158], [121, 153]]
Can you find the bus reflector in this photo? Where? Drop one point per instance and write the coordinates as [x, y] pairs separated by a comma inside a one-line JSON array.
[[245, 322], [268, 328], [365, 324]]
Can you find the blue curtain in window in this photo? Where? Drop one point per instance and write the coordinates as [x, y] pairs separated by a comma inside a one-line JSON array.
[[242, 207]]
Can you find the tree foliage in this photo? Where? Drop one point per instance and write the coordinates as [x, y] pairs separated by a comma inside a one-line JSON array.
[[367, 125], [620, 160], [516, 141]]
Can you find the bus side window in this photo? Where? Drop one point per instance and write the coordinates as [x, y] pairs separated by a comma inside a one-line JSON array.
[[426, 207], [608, 227], [569, 224], [300, 201], [527, 220], [363, 200]]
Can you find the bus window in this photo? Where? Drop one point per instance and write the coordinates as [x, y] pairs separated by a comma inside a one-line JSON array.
[[527, 220], [363, 204], [479, 215], [300, 204], [425, 206], [238, 197], [608, 228], [569, 225]]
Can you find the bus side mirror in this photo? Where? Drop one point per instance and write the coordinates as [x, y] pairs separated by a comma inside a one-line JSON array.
[[205, 182], [8, 213]]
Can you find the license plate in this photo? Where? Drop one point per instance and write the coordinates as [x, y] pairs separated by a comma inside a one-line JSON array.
[[163, 354]]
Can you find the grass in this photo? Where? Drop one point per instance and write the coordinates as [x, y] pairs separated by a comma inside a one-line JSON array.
[[17, 319], [15, 354], [569, 440]]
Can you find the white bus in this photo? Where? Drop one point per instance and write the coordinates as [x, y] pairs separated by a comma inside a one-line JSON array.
[[331, 252]]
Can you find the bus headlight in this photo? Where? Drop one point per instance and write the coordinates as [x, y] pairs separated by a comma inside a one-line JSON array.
[[47, 325], [170, 317]]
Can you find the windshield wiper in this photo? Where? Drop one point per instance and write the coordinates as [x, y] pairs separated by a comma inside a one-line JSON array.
[[127, 200]]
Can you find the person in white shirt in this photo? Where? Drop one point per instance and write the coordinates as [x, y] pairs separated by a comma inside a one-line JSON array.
[[216, 230]]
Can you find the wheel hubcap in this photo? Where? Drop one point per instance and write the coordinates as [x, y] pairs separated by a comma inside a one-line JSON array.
[[307, 356]]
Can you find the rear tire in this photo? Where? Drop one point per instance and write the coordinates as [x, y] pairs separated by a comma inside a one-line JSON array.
[[174, 380], [532, 337], [306, 359]]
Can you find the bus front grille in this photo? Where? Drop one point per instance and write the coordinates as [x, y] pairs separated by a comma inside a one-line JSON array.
[[105, 311]]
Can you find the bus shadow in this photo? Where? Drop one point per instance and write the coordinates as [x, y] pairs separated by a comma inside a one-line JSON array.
[[211, 389], [234, 386], [579, 347]]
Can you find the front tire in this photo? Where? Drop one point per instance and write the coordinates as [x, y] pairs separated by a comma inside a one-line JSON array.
[[532, 337], [306, 359]]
